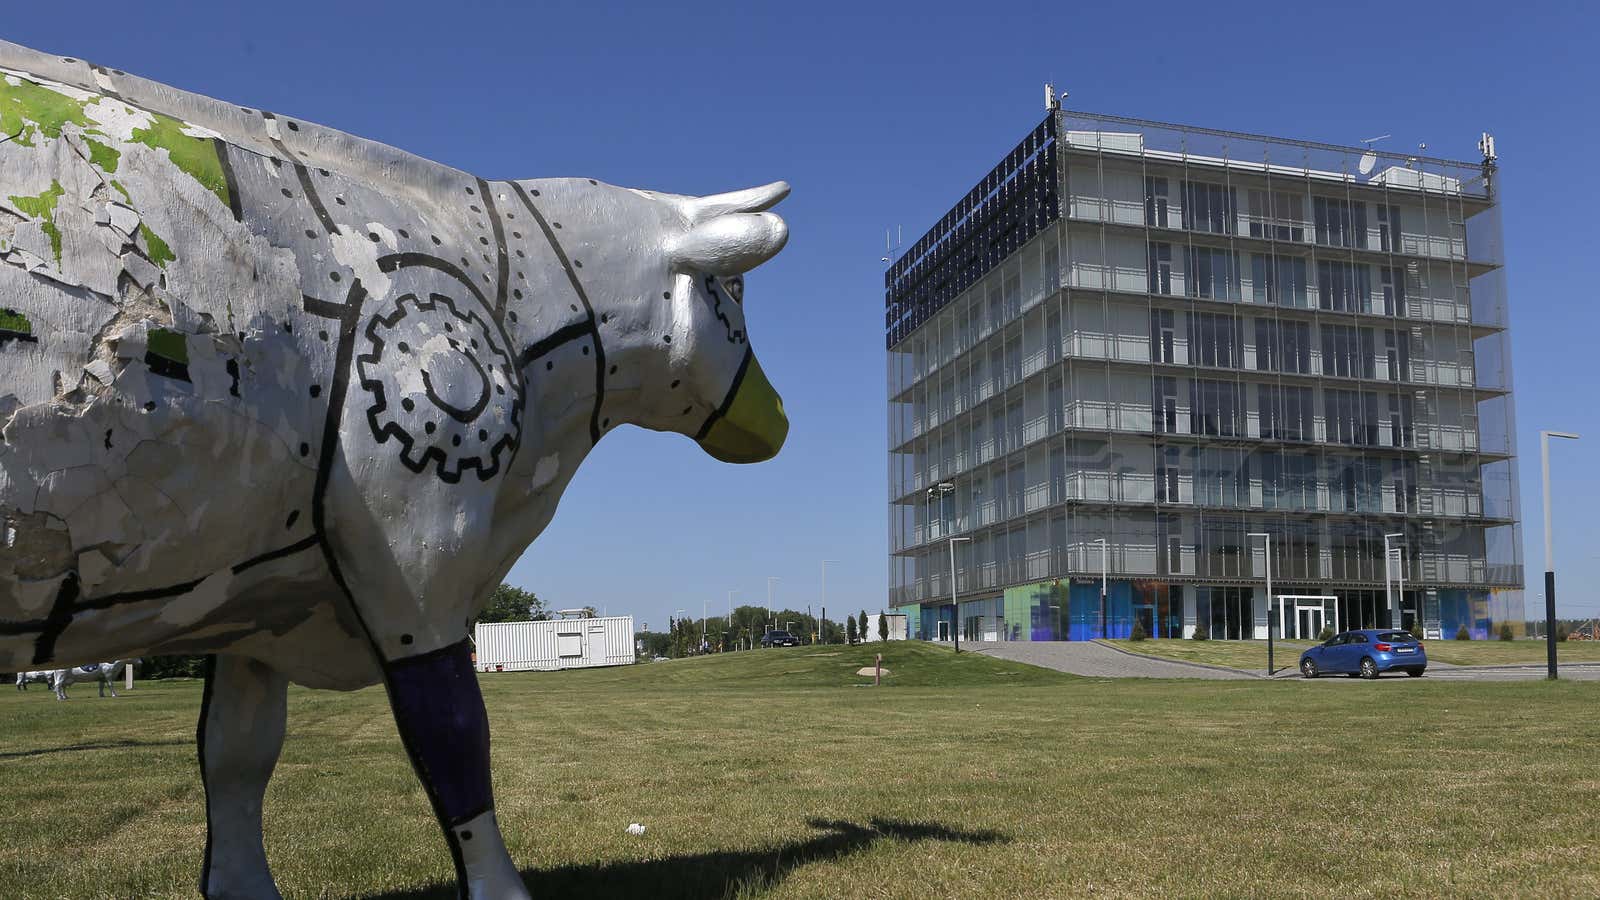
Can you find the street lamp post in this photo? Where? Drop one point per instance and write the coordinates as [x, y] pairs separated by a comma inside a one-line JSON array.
[[822, 618], [943, 488], [1394, 603], [1105, 630], [680, 628], [1549, 554], [1267, 539], [956, 606]]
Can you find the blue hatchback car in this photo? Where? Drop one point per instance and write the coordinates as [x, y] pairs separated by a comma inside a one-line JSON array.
[[1368, 653]]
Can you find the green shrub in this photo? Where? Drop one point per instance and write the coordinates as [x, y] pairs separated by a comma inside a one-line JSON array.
[[1462, 634], [1416, 629], [1327, 633], [1561, 632], [1201, 632], [1505, 631], [1138, 634]]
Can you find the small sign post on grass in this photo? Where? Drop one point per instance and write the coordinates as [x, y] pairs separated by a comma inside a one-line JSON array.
[[877, 671]]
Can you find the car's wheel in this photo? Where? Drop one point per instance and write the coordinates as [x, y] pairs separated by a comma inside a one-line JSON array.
[[1308, 668], [1415, 673], [1369, 669]]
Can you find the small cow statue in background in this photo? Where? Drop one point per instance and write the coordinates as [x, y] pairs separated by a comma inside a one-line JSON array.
[[23, 678], [104, 675], [297, 401]]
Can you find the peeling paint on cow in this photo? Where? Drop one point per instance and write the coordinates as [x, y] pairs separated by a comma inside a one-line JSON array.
[[195, 155], [155, 247], [43, 208]]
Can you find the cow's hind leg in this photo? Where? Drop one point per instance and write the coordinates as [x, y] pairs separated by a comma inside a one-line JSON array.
[[240, 733], [439, 711]]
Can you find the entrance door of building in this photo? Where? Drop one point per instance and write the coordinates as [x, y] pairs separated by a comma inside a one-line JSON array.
[[1308, 624], [944, 630], [1302, 618]]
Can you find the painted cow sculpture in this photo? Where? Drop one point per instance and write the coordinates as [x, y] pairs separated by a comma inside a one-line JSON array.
[[104, 675], [297, 401]]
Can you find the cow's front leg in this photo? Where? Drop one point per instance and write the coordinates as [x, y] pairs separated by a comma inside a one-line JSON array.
[[240, 734], [439, 711]]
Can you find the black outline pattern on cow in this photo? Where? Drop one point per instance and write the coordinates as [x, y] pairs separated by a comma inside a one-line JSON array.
[[382, 417]]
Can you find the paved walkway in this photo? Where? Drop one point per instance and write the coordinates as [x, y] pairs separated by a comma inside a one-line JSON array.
[[1095, 660]]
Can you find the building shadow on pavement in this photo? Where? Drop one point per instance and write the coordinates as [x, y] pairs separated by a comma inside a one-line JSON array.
[[723, 873]]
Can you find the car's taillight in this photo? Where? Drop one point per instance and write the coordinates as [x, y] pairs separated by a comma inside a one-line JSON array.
[[1382, 648]]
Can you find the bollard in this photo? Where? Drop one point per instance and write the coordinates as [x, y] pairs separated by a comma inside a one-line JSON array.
[[877, 671]]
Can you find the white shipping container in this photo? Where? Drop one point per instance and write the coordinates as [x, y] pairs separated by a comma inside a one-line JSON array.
[[554, 644]]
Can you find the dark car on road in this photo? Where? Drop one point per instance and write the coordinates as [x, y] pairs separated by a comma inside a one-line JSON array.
[[1367, 653], [779, 639]]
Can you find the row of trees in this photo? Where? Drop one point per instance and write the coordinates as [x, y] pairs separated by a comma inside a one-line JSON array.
[[743, 630]]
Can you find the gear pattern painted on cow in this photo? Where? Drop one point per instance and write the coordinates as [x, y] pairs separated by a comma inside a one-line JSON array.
[[297, 400]]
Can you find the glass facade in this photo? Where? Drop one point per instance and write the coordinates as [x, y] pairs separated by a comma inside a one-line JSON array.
[[1191, 336]]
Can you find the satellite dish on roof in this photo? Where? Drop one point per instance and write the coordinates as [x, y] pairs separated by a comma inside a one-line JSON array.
[[1369, 159]]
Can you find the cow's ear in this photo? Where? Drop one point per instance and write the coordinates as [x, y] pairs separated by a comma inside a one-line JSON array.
[[749, 200], [731, 244]]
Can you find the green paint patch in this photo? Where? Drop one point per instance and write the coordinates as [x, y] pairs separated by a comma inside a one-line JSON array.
[[43, 207], [122, 190], [155, 247], [169, 344], [195, 156], [27, 104], [103, 155], [15, 322]]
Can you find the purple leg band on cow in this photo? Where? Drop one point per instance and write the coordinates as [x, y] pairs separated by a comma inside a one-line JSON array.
[[439, 710]]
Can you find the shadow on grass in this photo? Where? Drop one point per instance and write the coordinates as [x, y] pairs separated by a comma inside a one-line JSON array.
[[97, 745], [719, 874]]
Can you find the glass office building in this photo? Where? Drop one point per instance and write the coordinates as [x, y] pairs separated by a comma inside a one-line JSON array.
[[1139, 361]]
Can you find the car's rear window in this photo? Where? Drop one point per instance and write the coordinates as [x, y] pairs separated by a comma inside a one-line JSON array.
[[1399, 637]]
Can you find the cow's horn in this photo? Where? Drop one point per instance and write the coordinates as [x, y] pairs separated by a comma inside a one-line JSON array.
[[731, 244], [749, 200]]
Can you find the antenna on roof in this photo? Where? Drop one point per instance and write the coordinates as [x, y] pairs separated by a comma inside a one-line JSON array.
[[890, 251], [1051, 101], [1369, 159]]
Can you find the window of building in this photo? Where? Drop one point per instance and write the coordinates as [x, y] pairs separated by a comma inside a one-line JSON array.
[[1397, 353], [1392, 280], [1209, 207], [1283, 346], [1347, 351], [1279, 215], [1221, 477], [1343, 286], [1340, 223], [1215, 408], [1278, 280], [1169, 468], [1155, 201], [1216, 339], [1400, 434], [1389, 228], [1163, 334], [1351, 417], [1165, 404], [1160, 271], [1211, 272], [1285, 412]]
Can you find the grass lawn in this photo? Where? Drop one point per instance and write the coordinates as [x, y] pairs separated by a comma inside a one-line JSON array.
[[1253, 654], [767, 774]]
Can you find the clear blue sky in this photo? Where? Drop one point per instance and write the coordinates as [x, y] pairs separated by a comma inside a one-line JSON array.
[[884, 114]]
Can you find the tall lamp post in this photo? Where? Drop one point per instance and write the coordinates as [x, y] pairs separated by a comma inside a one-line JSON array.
[[1105, 629], [953, 603], [680, 619], [822, 618], [1549, 555], [1399, 601], [941, 489], [1267, 538]]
